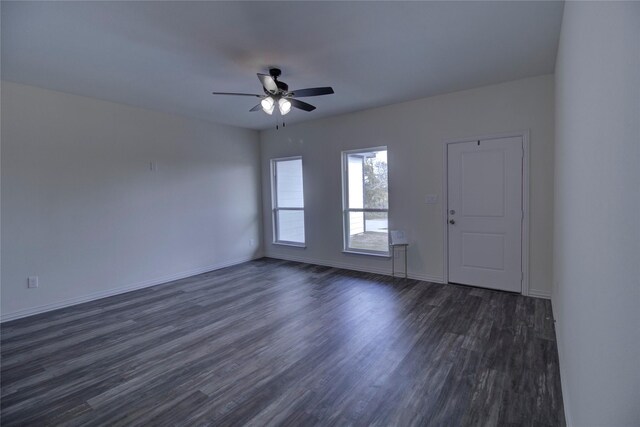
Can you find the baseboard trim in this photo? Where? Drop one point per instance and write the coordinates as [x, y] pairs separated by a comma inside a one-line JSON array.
[[348, 266], [563, 381], [122, 289], [539, 294]]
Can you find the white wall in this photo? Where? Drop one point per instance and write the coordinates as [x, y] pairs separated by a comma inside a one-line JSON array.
[[414, 133], [82, 210], [596, 296]]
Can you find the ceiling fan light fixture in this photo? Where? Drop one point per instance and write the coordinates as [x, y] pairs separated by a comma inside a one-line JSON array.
[[284, 105], [267, 105]]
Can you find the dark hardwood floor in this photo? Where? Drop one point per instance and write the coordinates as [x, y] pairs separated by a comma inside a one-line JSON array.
[[281, 343]]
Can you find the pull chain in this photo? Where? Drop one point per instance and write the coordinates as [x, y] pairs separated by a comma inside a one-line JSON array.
[[277, 124]]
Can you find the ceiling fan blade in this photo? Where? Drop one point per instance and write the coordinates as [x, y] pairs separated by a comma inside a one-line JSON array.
[[256, 108], [313, 91], [236, 94], [268, 83], [301, 105]]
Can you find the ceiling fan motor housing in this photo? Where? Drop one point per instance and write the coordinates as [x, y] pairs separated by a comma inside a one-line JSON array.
[[282, 86]]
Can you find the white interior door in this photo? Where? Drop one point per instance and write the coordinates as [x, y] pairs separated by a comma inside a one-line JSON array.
[[485, 213]]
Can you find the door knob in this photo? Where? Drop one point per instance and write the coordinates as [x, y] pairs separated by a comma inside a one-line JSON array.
[[452, 221]]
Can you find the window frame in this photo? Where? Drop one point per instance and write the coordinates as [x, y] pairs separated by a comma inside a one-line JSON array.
[[345, 204], [274, 203]]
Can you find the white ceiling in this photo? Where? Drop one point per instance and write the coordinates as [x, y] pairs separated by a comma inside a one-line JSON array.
[[170, 56]]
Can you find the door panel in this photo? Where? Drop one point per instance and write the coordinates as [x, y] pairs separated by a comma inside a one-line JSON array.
[[485, 213], [483, 250], [483, 183]]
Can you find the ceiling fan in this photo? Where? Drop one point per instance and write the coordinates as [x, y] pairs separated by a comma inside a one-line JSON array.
[[277, 92]]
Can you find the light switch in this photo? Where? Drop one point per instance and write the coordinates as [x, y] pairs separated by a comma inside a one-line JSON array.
[[431, 199], [32, 282]]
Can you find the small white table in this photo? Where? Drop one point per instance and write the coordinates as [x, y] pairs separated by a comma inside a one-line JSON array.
[[393, 257]]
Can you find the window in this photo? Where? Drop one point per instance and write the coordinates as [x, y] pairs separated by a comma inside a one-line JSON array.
[[366, 201], [288, 201]]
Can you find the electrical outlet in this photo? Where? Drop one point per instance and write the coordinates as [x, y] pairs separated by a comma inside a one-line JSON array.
[[252, 242], [32, 282]]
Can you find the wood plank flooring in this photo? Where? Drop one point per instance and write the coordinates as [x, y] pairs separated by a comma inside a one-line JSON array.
[[272, 342]]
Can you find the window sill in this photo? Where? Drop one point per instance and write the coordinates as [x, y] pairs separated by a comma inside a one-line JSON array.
[[380, 255], [295, 245]]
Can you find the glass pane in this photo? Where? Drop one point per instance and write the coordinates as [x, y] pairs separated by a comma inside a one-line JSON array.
[[368, 180], [290, 226], [355, 168], [289, 183], [369, 231]]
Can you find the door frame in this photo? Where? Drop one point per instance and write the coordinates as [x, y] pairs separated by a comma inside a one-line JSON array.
[[524, 230]]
